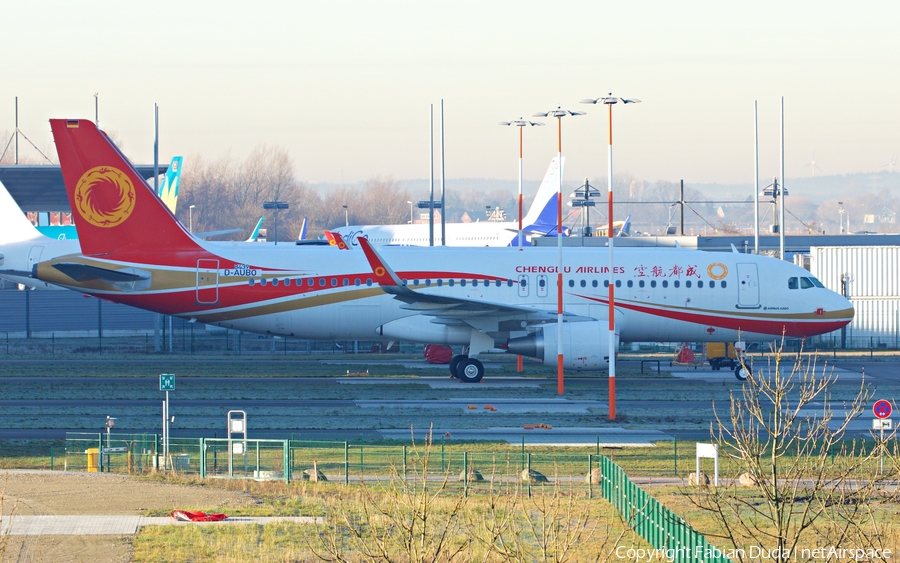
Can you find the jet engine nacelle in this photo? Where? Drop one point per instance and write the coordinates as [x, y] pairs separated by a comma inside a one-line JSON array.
[[585, 345], [418, 328]]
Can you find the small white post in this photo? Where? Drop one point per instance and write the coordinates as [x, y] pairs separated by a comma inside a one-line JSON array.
[[708, 450]]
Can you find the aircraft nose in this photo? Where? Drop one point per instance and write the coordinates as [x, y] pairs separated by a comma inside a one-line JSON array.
[[844, 308]]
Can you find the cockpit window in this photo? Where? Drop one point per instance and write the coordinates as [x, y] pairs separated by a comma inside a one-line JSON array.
[[815, 282], [806, 283], [793, 283]]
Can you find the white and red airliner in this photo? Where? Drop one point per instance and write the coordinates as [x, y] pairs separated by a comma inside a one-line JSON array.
[[134, 251]]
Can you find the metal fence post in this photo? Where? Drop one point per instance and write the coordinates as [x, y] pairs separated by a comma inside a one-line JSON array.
[[528, 461], [288, 466], [590, 476], [465, 474], [676, 456], [346, 463], [203, 458]]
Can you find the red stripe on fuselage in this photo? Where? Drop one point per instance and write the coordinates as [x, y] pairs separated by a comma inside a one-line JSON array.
[[773, 326]]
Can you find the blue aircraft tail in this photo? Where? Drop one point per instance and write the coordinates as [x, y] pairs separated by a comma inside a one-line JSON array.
[[168, 190], [302, 235], [542, 215], [255, 232]]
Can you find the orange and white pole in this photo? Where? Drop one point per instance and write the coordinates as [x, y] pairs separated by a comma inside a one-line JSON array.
[[559, 113], [520, 190], [610, 101], [521, 124], [560, 385], [612, 286]]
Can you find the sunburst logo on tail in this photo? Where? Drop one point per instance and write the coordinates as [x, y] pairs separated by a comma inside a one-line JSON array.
[[104, 196]]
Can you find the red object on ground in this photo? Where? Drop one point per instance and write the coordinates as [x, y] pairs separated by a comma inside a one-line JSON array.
[[685, 355], [438, 354], [187, 516]]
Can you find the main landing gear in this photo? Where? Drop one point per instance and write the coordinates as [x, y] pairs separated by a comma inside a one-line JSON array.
[[466, 369]]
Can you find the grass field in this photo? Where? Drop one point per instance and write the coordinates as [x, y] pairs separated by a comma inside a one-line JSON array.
[[78, 394]]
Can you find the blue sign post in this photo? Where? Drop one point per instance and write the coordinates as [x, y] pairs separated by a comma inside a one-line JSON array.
[[166, 383]]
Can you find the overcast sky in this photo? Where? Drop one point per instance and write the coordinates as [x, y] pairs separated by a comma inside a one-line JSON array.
[[345, 87]]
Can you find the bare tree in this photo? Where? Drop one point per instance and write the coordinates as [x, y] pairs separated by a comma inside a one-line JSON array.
[[230, 195], [805, 482]]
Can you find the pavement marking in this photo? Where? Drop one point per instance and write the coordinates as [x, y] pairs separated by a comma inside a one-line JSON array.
[[444, 382], [557, 436], [542, 406], [79, 525]]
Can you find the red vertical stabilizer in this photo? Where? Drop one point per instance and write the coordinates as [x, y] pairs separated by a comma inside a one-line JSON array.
[[116, 213]]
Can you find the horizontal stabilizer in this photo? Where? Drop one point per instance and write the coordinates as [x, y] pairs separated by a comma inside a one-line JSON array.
[[83, 273]]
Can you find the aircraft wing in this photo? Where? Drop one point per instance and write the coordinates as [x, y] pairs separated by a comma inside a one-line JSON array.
[[453, 308], [208, 234]]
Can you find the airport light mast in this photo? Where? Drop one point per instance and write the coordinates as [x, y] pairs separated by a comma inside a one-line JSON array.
[[276, 205], [610, 101], [521, 124], [559, 113]]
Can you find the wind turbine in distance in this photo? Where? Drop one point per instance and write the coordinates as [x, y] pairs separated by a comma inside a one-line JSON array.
[[812, 165], [892, 164]]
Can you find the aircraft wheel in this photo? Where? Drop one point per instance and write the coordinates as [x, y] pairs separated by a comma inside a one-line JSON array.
[[741, 372], [470, 370], [454, 365]]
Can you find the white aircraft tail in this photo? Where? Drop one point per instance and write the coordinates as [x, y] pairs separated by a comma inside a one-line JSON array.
[[542, 215], [14, 225]]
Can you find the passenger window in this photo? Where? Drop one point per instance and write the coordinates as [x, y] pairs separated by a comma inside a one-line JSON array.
[[571, 283], [665, 283], [793, 283], [275, 282], [676, 283], [356, 282], [450, 282], [652, 283], [310, 282], [594, 283], [321, 282], [700, 283], [630, 283], [369, 281], [724, 284], [641, 283], [252, 282], [333, 282], [263, 281], [687, 283], [583, 283], [462, 283], [346, 282], [618, 283], [712, 285]]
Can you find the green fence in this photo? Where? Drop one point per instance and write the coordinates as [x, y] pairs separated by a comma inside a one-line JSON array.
[[662, 528], [287, 460]]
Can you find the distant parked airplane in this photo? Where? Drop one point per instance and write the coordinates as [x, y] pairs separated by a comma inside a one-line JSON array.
[[540, 221]]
